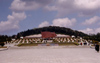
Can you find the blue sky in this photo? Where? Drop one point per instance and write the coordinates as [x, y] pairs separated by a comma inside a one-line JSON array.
[[21, 15]]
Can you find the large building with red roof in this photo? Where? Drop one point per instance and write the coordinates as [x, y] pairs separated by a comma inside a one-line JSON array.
[[47, 34]]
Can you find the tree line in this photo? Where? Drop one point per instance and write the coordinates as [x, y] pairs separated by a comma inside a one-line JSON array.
[[56, 29], [4, 38]]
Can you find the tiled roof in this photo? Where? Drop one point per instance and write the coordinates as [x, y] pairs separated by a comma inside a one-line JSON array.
[[47, 34]]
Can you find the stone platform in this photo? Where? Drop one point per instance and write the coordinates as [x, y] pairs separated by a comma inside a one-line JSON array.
[[49, 54]]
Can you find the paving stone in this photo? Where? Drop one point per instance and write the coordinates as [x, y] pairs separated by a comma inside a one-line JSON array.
[[51, 54]]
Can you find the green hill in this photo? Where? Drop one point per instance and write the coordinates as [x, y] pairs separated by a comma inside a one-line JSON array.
[[56, 29]]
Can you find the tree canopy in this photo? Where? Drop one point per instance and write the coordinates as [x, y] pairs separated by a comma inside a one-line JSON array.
[[56, 29]]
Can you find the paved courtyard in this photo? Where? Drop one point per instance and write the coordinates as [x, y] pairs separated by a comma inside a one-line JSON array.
[[49, 54]]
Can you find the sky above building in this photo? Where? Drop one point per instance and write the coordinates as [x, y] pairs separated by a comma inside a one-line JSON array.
[[21, 15]]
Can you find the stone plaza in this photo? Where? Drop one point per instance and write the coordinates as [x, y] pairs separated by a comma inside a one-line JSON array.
[[49, 54]]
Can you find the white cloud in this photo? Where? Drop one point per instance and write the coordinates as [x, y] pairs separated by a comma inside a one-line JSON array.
[[91, 21], [87, 4], [87, 31], [97, 30], [81, 7], [91, 31], [18, 5], [24, 5], [13, 22], [43, 24], [63, 7], [64, 22]]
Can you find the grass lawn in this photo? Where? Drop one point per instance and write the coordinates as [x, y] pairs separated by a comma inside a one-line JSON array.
[[70, 43], [36, 44], [3, 47], [28, 44]]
